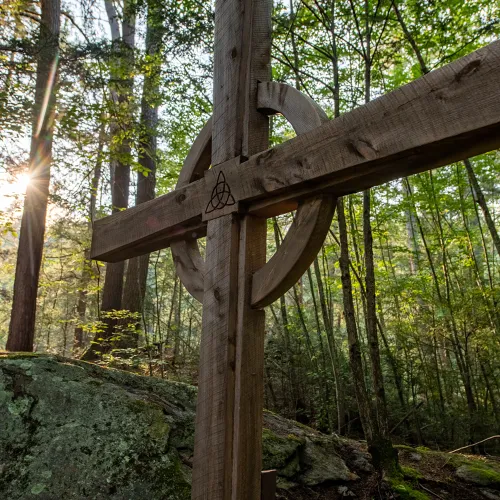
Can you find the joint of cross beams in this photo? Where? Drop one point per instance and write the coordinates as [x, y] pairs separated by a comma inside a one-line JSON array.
[[219, 196]]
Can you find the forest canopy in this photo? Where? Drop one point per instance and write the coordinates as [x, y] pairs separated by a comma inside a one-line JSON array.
[[130, 88]]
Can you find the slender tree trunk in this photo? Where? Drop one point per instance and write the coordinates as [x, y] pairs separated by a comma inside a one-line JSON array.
[[460, 353], [410, 38], [352, 331], [286, 333], [481, 201], [121, 89], [29, 255], [171, 312], [294, 46], [81, 306], [177, 331], [321, 372], [371, 305], [137, 269], [334, 356]]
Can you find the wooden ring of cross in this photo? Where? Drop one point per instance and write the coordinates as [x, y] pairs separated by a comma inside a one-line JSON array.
[[308, 229]]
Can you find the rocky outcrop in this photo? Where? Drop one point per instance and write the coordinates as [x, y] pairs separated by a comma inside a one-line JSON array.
[[73, 430], [479, 473]]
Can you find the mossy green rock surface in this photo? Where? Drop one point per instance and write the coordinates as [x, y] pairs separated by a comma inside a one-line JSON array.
[[480, 474], [73, 430]]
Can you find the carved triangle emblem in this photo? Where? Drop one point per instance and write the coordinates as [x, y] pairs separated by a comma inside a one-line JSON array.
[[221, 195]]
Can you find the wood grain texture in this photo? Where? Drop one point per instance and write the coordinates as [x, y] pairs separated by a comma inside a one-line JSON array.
[[296, 253], [249, 366], [189, 264], [232, 30], [151, 225], [447, 115], [198, 159], [213, 440], [314, 216], [268, 488], [227, 445], [304, 115], [219, 200], [302, 112]]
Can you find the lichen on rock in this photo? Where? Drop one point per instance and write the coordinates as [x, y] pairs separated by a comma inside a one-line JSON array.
[[74, 430]]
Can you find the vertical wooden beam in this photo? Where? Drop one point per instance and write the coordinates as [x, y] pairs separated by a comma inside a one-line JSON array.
[[249, 366], [249, 375], [214, 410], [227, 458], [268, 485]]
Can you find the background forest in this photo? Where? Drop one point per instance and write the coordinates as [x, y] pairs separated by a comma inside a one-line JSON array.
[[413, 265]]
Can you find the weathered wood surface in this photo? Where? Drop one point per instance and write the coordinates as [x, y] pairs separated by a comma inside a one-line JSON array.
[[313, 217], [445, 116], [302, 112], [213, 441], [227, 457], [151, 225], [449, 114], [268, 485], [249, 366], [296, 253], [189, 264]]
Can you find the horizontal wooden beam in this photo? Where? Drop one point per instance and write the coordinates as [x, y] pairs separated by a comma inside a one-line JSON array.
[[151, 225], [450, 114]]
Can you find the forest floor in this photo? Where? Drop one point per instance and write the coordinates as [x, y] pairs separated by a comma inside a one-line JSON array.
[[426, 474], [72, 429]]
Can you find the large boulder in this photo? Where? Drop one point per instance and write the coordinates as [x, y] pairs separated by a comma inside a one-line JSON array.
[[74, 430]]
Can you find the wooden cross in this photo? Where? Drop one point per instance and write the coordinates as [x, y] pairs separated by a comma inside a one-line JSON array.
[[448, 115]]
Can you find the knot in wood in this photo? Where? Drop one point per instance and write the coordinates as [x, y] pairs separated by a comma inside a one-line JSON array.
[[180, 198]]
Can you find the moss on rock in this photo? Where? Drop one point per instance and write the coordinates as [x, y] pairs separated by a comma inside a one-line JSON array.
[[73, 430], [479, 473], [281, 453]]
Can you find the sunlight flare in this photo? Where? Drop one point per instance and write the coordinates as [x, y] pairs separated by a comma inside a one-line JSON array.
[[48, 92]]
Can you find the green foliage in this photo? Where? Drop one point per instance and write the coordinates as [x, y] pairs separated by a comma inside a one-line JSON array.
[[437, 270]]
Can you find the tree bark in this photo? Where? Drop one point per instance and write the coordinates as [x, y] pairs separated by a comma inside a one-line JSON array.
[[137, 270], [352, 331], [29, 255], [371, 306], [481, 201], [334, 355], [121, 90]]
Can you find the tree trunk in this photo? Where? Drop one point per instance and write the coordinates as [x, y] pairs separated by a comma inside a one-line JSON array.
[[29, 255], [325, 411], [137, 270], [481, 201], [334, 355], [289, 354], [352, 331], [371, 306], [121, 90], [81, 306]]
